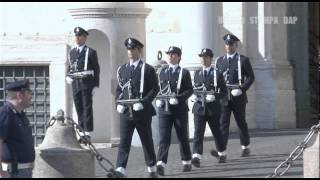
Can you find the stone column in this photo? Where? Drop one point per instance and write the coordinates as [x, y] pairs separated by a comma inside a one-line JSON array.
[[272, 96], [297, 21], [199, 30], [280, 69], [114, 21]]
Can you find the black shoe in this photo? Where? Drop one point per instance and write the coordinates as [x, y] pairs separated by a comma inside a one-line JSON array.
[[214, 153], [222, 159], [118, 174], [195, 161], [160, 170], [245, 152], [186, 168], [153, 175]]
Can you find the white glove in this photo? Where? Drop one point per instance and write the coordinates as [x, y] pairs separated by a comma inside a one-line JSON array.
[[210, 98], [137, 107], [236, 92], [194, 98], [173, 101], [159, 103], [120, 108], [69, 80]]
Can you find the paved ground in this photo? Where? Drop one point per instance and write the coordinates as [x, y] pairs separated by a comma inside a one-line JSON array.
[[268, 149]]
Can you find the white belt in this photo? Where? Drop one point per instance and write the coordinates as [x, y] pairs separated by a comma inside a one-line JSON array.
[[8, 166]]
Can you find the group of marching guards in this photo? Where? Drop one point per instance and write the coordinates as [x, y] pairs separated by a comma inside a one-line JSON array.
[[216, 91]]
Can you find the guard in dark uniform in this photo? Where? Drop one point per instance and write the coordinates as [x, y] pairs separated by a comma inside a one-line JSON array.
[[17, 153], [83, 74], [175, 82], [207, 107], [138, 83], [239, 76]]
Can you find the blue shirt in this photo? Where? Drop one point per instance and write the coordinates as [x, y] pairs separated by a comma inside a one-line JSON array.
[[16, 132]]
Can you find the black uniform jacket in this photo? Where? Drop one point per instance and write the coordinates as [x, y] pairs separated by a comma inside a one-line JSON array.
[[246, 73], [150, 90], [77, 63], [184, 93], [220, 91]]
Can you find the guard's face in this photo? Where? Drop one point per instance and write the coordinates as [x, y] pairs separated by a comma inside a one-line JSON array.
[[25, 98], [80, 40], [173, 58], [206, 61], [231, 48], [134, 53]]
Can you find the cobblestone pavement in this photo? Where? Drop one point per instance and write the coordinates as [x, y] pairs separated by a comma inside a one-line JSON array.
[[268, 149]]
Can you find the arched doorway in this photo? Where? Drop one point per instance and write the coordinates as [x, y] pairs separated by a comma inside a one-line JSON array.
[[102, 97]]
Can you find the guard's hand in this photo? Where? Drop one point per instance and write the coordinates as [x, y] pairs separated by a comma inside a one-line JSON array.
[[120, 108], [159, 103], [236, 92], [137, 107], [69, 80], [173, 101], [210, 98], [194, 98]]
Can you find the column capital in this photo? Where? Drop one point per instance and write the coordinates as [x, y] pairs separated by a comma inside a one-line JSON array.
[[112, 12]]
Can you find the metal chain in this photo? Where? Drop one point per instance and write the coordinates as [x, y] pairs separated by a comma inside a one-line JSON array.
[[51, 122], [101, 159], [295, 153]]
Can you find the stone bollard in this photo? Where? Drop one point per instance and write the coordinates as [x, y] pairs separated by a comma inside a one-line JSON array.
[[311, 160], [60, 154]]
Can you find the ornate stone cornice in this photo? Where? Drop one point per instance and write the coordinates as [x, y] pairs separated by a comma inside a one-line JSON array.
[[80, 13]]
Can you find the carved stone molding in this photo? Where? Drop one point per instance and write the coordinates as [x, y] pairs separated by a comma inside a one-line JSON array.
[[80, 13]]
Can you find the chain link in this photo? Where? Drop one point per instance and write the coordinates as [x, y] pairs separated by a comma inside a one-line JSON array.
[[51, 122], [103, 162], [295, 153]]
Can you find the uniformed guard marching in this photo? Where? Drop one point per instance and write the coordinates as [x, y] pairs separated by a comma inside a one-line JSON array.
[[209, 88], [175, 89], [239, 76], [137, 87], [17, 153], [83, 73]]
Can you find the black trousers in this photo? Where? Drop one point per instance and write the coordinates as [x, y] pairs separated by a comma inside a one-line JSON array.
[[199, 129], [83, 103], [239, 112], [180, 122], [143, 126]]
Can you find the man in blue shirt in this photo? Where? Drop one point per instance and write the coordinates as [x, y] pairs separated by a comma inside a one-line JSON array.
[[17, 153]]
